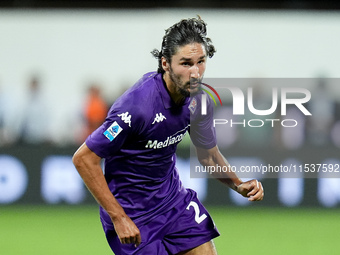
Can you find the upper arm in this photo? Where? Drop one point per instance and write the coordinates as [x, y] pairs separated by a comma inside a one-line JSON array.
[[85, 156], [123, 121], [202, 130]]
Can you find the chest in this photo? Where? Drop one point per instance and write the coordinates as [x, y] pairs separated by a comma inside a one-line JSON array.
[[167, 127]]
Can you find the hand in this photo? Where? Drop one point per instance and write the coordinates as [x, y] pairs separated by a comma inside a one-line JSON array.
[[127, 230], [252, 189]]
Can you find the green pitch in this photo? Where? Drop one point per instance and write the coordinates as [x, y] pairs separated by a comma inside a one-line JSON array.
[[76, 230], [278, 231]]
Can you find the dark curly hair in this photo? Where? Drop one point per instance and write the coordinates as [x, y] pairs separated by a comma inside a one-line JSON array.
[[186, 31]]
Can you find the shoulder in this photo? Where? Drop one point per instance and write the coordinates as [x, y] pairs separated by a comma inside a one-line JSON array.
[[139, 92], [137, 102], [201, 104]]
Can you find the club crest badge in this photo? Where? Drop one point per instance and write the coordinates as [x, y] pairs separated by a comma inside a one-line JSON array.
[[193, 105]]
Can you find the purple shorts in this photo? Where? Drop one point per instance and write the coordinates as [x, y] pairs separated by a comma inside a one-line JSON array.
[[185, 226]]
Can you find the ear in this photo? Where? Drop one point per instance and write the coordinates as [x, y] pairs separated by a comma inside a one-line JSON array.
[[165, 64]]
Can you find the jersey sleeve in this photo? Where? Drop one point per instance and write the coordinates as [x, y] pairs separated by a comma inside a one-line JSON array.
[[202, 131], [120, 123]]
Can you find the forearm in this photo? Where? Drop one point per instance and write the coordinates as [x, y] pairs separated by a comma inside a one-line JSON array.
[[88, 165], [213, 158], [89, 168], [229, 177]]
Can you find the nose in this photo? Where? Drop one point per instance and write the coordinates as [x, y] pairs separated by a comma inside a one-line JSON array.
[[194, 72]]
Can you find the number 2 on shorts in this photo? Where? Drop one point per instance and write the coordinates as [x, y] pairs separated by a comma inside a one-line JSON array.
[[198, 218]]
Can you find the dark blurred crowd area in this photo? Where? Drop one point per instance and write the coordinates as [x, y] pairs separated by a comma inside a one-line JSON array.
[[31, 122]]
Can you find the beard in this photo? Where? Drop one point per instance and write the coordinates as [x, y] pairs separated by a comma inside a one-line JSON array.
[[183, 87]]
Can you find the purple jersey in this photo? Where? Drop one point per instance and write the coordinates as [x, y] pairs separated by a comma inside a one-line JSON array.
[[138, 141]]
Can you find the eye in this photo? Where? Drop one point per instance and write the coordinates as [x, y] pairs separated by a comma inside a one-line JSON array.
[[185, 64]]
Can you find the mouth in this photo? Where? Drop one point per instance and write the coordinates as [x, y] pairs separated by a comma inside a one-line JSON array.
[[194, 86], [194, 83]]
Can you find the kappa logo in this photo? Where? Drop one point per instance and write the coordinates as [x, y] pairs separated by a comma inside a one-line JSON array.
[[159, 118], [126, 117]]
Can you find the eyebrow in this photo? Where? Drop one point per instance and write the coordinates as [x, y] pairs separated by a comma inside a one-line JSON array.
[[189, 59]]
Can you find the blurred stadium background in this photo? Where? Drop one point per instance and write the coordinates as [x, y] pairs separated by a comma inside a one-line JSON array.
[[59, 57]]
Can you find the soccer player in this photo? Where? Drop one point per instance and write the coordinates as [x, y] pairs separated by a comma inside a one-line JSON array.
[[144, 209]]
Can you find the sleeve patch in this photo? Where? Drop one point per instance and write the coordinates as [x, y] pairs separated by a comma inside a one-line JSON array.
[[113, 131]]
